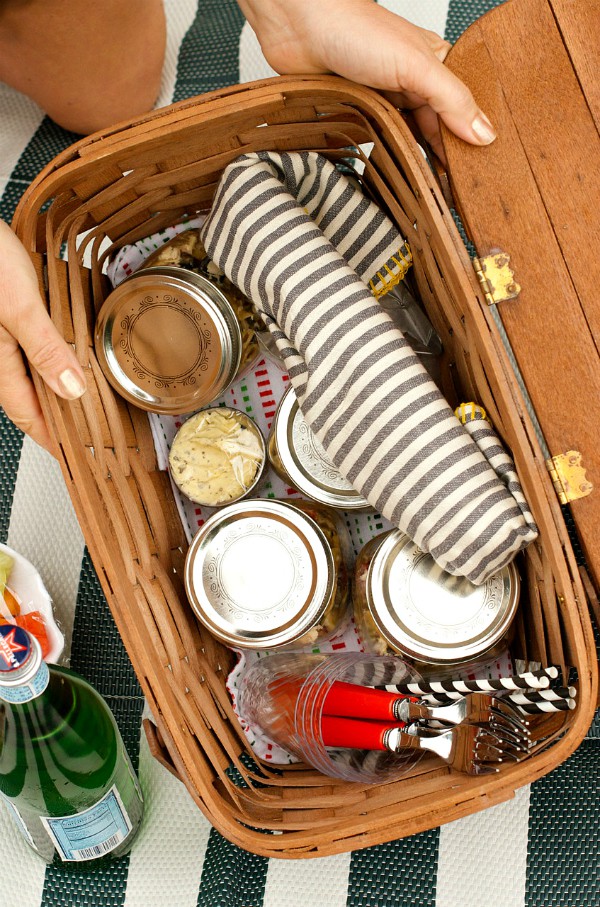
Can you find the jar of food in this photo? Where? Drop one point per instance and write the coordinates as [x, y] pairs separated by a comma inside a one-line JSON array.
[[405, 603], [262, 574], [217, 456], [298, 457], [172, 337]]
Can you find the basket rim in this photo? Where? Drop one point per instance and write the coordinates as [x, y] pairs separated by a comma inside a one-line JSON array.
[[106, 141]]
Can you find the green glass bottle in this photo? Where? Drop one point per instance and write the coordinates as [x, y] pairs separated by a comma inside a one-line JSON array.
[[65, 775]]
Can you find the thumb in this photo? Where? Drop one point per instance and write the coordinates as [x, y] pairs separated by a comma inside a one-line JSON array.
[[23, 316], [451, 99], [47, 352]]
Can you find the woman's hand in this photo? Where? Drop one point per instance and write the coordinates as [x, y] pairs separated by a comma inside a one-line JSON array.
[[25, 327], [368, 44]]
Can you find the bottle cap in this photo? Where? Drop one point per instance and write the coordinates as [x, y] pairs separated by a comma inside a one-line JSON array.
[[16, 649], [23, 672]]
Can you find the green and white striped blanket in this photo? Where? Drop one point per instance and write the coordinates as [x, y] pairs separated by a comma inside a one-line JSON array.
[[539, 850]]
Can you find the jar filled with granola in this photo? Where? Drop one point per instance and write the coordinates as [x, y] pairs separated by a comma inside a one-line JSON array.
[[174, 335], [262, 574], [404, 603]]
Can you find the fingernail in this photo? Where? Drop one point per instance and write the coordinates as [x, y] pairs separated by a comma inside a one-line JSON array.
[[71, 383], [483, 129]]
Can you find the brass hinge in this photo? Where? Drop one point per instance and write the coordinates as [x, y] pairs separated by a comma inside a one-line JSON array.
[[496, 278], [568, 476]]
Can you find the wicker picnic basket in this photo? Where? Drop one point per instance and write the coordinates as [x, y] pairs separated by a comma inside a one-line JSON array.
[[126, 183]]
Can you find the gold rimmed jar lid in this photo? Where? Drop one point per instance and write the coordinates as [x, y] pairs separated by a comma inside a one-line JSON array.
[[299, 458], [168, 340], [259, 574], [433, 616]]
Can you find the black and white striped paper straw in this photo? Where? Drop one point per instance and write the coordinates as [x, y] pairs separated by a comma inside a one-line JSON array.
[[529, 680], [532, 703], [536, 708], [528, 696], [531, 698]]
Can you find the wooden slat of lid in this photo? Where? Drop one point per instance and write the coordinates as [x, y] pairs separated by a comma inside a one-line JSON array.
[[583, 45], [534, 193]]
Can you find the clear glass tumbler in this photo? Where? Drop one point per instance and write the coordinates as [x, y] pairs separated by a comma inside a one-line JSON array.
[[284, 696]]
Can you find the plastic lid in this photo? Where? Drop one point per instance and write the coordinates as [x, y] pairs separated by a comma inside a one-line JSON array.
[[305, 461], [259, 574], [431, 615], [168, 340]]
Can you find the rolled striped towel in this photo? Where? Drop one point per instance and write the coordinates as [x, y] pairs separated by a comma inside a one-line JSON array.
[[301, 240]]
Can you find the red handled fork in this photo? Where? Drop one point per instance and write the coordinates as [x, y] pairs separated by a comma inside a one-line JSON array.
[[465, 747], [482, 709]]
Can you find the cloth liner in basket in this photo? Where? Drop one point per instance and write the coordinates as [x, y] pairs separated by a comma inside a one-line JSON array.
[[301, 240]]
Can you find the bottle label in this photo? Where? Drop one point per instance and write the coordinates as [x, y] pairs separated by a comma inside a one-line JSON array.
[[25, 692], [18, 820], [92, 833]]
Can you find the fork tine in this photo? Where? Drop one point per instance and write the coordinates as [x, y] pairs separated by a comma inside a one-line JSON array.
[[514, 743], [511, 711], [486, 751], [484, 707], [546, 730], [506, 744], [482, 768], [497, 754], [511, 730], [488, 733], [465, 747]]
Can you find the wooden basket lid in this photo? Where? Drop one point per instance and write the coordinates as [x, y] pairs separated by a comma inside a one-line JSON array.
[[535, 194]]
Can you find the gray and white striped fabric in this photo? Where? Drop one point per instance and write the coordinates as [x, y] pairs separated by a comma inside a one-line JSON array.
[[541, 849], [305, 245]]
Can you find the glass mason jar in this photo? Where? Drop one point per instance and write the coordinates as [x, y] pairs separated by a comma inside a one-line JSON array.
[[405, 603], [217, 457], [174, 335], [298, 457], [261, 574]]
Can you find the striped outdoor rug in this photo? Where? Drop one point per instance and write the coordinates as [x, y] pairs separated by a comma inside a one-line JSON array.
[[540, 850]]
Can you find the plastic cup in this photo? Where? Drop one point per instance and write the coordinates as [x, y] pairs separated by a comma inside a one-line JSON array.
[[284, 696]]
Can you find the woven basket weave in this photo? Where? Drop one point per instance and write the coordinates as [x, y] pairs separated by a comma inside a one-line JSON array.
[[123, 184]]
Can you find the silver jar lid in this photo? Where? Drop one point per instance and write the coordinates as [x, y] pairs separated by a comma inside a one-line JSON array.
[[168, 340], [259, 574], [297, 452], [430, 615]]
